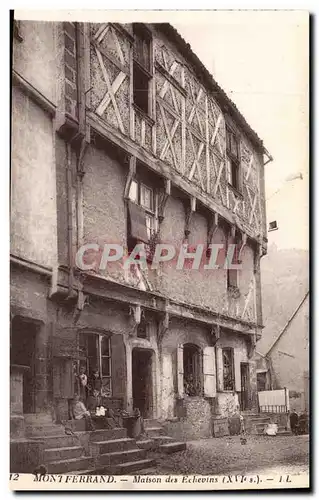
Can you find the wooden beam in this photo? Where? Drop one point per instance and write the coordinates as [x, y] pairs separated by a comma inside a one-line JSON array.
[[163, 169], [130, 175], [212, 227], [189, 213], [163, 197]]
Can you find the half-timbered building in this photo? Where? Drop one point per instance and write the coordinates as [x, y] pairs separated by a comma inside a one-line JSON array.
[[119, 136]]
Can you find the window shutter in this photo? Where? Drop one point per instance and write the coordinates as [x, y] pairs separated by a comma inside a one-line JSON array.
[[118, 363], [137, 223], [180, 371], [237, 372], [228, 171], [209, 369]]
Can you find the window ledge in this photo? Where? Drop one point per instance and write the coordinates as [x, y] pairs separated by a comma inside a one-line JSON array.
[[233, 291], [236, 191], [144, 115]]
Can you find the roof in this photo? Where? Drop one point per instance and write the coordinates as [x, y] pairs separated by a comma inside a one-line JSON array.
[[220, 95]]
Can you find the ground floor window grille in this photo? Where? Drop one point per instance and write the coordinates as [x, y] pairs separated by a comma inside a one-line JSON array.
[[192, 370], [228, 369], [95, 357]]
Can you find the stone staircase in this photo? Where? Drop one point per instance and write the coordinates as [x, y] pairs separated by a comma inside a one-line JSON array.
[[161, 442], [103, 451]]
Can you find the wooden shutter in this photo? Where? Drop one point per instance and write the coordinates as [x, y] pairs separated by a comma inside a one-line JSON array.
[[180, 370], [137, 223], [237, 361], [209, 370], [118, 364]]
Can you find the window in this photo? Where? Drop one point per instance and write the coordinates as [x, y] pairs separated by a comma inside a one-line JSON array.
[[141, 68], [232, 274], [228, 369], [192, 370], [95, 355], [145, 197], [273, 226], [233, 158]]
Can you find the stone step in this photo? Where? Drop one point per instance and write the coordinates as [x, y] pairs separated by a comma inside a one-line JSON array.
[[150, 422], [38, 418], [118, 457], [283, 432], [128, 467], [257, 420], [108, 434], [57, 441], [172, 447], [44, 430], [86, 472], [146, 444], [63, 466], [163, 440], [111, 445], [62, 453], [155, 431]]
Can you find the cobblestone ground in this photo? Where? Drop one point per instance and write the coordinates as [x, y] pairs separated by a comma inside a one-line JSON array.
[[261, 455]]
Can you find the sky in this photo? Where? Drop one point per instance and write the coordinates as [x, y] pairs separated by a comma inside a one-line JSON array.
[[260, 59]]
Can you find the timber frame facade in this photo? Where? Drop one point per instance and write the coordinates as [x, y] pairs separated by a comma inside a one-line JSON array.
[[123, 104]]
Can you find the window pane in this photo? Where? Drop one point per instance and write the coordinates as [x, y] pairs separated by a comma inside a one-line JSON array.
[[106, 367], [149, 225], [140, 89], [105, 346], [146, 197], [133, 191], [228, 369]]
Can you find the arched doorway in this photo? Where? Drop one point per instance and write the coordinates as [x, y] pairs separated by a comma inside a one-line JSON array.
[[142, 381], [192, 368]]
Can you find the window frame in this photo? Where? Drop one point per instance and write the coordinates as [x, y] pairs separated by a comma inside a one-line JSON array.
[[99, 337], [193, 365], [232, 365], [235, 180], [142, 32], [150, 212], [233, 283]]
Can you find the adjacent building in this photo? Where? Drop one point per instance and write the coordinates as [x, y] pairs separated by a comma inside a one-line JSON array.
[[120, 136]]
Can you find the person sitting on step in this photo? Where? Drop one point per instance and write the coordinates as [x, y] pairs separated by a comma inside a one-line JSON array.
[[80, 412]]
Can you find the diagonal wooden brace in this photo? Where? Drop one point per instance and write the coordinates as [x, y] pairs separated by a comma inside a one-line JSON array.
[[163, 197], [189, 213]]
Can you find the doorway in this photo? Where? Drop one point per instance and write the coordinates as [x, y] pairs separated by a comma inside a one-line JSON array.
[[23, 342], [142, 381], [244, 378]]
